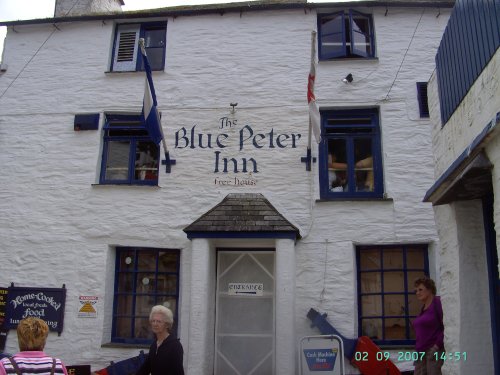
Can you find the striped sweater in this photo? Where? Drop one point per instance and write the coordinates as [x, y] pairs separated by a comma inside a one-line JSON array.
[[32, 363]]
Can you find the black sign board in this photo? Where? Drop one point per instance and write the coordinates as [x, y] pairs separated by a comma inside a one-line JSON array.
[[3, 302], [78, 370], [44, 303]]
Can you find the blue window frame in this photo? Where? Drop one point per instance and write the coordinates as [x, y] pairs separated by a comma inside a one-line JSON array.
[[386, 299], [345, 34], [144, 277], [129, 155], [126, 53], [423, 103], [350, 158]]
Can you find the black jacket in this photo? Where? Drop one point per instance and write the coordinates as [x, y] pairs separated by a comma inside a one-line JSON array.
[[167, 360]]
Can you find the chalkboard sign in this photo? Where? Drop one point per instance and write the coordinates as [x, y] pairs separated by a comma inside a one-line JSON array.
[[44, 303]]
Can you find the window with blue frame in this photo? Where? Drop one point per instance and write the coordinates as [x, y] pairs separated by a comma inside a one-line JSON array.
[[350, 154], [126, 52], [345, 34], [129, 155], [386, 299], [144, 277]]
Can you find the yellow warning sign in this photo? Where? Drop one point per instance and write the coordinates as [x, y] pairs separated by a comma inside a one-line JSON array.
[[87, 309]]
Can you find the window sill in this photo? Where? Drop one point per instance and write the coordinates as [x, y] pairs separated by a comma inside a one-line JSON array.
[[341, 59], [127, 186], [359, 199], [118, 345], [111, 72]]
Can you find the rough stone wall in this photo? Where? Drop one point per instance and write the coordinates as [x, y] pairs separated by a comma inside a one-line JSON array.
[[55, 217], [65, 8]]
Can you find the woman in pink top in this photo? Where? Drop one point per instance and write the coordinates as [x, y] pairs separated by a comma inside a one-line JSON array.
[[32, 334], [429, 328]]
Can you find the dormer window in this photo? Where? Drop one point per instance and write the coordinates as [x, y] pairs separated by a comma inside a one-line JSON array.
[[126, 53], [345, 34]]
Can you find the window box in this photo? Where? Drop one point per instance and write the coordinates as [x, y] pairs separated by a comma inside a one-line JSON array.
[[350, 158], [129, 155], [345, 34], [126, 53], [386, 299]]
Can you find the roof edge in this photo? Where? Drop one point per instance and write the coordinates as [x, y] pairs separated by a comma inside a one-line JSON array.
[[193, 10]]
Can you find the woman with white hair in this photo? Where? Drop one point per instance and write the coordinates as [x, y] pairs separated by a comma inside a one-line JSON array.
[[166, 352]]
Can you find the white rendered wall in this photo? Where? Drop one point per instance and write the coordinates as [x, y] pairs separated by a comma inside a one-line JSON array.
[[55, 217]]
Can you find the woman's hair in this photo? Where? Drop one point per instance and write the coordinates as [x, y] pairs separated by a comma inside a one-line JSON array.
[[32, 334], [166, 312], [427, 282]]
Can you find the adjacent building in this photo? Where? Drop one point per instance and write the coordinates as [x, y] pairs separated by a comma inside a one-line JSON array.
[[234, 230]]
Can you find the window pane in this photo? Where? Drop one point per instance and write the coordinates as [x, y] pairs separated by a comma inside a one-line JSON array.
[[142, 330], [414, 305], [155, 57], [145, 283], [337, 165], [332, 36], [394, 304], [167, 284], [393, 258], [146, 260], [117, 160], [127, 260], [361, 35], [370, 282], [123, 327], [143, 305], [370, 259], [364, 164], [167, 262], [154, 38], [415, 258], [371, 305], [394, 282], [146, 161], [372, 328], [395, 329], [124, 305], [126, 282]]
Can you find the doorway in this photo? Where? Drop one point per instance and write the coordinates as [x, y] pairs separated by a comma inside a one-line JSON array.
[[245, 312]]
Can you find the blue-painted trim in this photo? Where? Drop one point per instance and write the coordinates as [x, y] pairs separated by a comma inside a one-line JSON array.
[[249, 235], [473, 146]]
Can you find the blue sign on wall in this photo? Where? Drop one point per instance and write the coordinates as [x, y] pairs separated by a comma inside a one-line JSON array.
[[44, 303]]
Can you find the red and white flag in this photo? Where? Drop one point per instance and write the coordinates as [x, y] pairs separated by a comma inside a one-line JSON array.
[[314, 116]]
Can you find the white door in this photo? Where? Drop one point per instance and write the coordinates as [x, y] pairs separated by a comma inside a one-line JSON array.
[[245, 326]]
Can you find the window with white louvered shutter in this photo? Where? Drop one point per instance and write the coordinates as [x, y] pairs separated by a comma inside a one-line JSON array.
[[126, 45]]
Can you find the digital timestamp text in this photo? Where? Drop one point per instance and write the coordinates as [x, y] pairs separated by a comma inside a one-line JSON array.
[[408, 356]]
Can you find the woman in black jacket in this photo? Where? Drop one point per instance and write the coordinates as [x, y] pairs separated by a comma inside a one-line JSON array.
[[166, 352]]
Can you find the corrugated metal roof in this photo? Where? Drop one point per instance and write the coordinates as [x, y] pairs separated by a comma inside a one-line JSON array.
[[191, 10]]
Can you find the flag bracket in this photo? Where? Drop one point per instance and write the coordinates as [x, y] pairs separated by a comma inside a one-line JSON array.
[[308, 159], [168, 162]]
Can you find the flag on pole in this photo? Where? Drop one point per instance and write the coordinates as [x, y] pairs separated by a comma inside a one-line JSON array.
[[150, 115], [314, 116]]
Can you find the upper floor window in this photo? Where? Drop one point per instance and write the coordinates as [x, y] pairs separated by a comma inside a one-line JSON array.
[[423, 103], [129, 155], [350, 154], [144, 277], [126, 53], [386, 299], [345, 34]]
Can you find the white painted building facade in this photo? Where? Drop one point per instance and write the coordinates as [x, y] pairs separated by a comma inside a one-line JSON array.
[[61, 223]]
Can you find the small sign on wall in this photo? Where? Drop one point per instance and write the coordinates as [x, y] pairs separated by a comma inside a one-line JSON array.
[[246, 289], [88, 307]]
